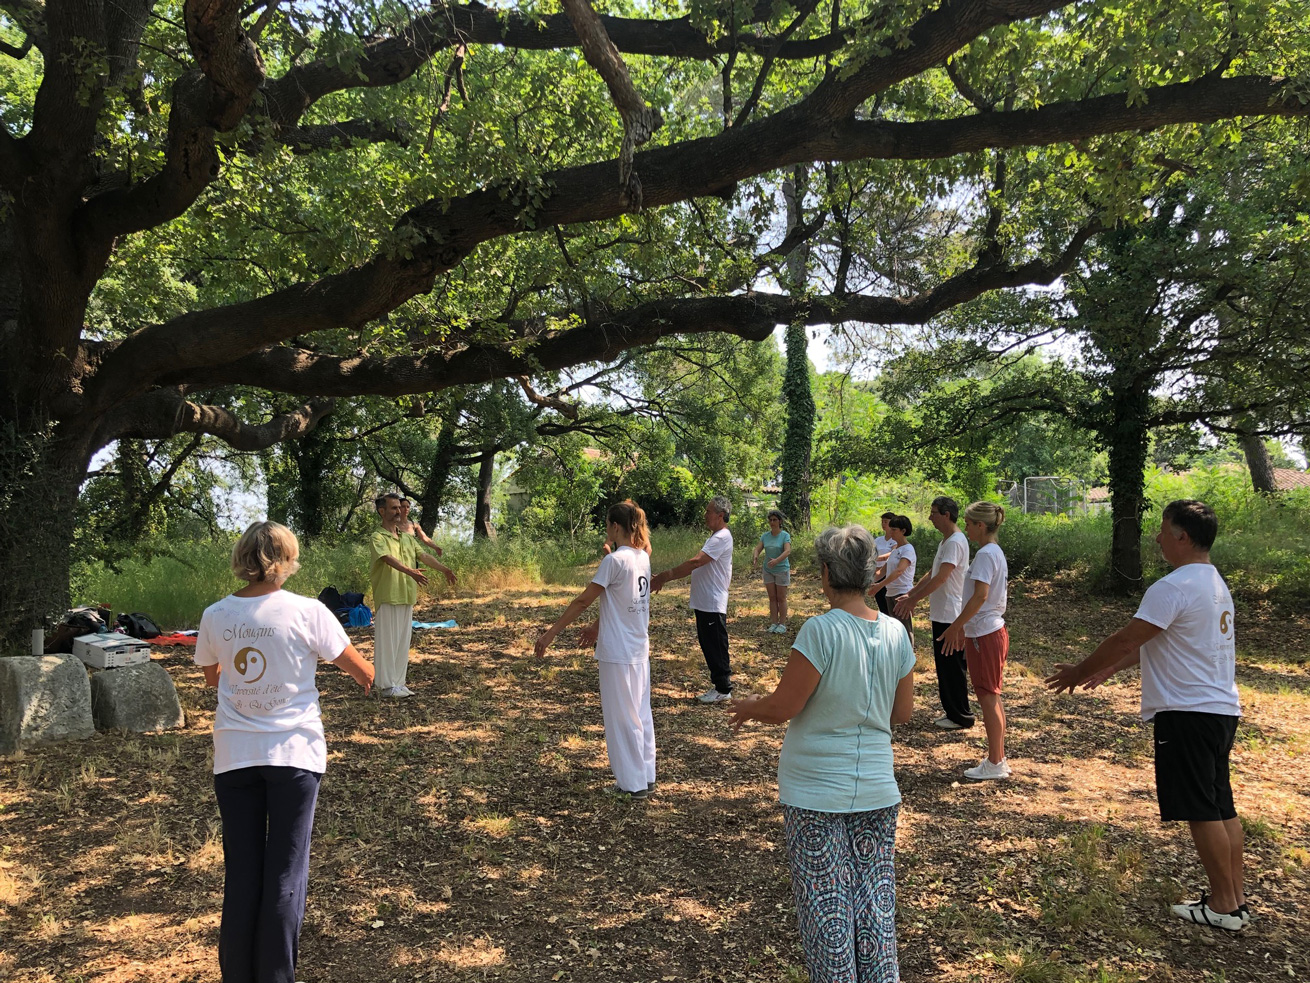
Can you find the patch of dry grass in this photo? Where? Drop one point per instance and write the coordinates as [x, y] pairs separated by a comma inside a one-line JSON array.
[[465, 835]]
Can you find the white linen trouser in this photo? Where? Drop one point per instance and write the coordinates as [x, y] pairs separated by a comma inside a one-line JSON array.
[[629, 729], [392, 626]]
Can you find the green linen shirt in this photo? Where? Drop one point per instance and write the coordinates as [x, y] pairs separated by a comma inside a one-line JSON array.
[[390, 586]]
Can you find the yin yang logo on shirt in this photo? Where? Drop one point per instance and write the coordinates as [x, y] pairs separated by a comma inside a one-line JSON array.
[[250, 665], [643, 586]]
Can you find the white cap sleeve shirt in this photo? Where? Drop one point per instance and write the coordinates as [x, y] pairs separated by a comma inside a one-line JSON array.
[[1191, 665], [989, 565], [709, 584], [837, 755], [947, 601], [268, 648], [902, 584], [624, 607]]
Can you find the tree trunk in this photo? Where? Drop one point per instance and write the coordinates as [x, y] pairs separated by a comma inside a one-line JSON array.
[[1126, 444], [482, 527], [39, 483], [799, 436], [313, 454], [1259, 462], [798, 439], [434, 489]]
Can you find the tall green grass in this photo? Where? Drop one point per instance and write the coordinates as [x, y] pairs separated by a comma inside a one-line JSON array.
[[1263, 549]]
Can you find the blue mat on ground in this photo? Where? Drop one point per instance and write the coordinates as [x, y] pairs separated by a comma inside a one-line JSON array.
[[436, 624]]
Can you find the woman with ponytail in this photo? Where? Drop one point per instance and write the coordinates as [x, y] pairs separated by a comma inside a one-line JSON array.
[[622, 583]]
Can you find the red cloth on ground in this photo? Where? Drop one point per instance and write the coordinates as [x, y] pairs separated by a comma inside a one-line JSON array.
[[165, 640]]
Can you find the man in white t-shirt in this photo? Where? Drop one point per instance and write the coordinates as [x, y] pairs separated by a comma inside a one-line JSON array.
[[1183, 637], [944, 588], [711, 574]]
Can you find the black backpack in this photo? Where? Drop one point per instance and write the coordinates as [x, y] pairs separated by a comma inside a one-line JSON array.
[[139, 625], [331, 597]]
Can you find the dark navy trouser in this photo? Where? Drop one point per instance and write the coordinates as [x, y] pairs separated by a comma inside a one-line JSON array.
[[268, 815], [952, 678]]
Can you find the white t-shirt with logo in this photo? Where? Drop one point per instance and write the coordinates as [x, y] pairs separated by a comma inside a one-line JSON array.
[[268, 647], [1191, 665], [947, 601], [624, 606], [902, 584], [989, 565], [709, 584]]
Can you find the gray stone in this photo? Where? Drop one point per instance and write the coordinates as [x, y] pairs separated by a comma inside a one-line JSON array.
[[138, 698], [43, 698]]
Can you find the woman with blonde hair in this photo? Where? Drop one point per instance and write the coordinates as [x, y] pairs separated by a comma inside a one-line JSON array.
[[622, 637], [979, 631], [260, 647]]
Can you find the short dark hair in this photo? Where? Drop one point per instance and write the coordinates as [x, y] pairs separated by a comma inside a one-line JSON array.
[[901, 522], [1194, 518], [377, 502], [948, 507], [888, 515]]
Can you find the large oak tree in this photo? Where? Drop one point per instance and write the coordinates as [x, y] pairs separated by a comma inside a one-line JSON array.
[[128, 120]]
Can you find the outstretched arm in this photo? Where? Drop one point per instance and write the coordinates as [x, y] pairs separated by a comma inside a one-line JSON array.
[[570, 615], [928, 583], [683, 569], [794, 690], [1119, 651], [887, 578], [953, 638]]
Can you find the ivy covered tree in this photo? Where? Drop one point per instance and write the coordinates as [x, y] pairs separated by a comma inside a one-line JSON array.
[[353, 198]]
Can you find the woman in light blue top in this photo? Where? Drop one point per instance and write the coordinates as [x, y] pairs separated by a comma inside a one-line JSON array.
[[849, 679], [776, 547]]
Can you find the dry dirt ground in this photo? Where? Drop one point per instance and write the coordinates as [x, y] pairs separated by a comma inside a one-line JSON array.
[[465, 834]]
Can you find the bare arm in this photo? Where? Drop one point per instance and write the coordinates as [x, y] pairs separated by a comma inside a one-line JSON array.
[[683, 569], [887, 578], [1120, 650], [794, 690], [355, 666], [953, 638], [211, 674], [755, 557], [570, 615], [786, 552], [414, 572], [903, 702], [926, 585]]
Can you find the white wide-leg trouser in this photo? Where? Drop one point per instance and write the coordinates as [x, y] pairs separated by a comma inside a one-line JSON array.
[[392, 626], [629, 729]]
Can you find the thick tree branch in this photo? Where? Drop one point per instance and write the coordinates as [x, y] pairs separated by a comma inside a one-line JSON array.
[[329, 136], [165, 412], [547, 402], [30, 17], [669, 174], [640, 119]]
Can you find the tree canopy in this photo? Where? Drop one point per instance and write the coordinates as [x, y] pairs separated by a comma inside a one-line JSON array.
[[357, 198]]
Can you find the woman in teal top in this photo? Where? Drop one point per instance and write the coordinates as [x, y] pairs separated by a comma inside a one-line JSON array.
[[849, 680], [776, 546]]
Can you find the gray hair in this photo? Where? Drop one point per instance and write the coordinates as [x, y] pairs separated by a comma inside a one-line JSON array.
[[722, 506], [849, 555]]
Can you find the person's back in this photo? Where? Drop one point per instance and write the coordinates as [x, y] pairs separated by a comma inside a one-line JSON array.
[[624, 606], [1191, 664], [837, 755]]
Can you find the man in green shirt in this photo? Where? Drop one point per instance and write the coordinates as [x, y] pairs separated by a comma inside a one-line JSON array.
[[395, 577]]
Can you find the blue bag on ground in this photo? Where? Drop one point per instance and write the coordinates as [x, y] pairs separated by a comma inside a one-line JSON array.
[[359, 616]]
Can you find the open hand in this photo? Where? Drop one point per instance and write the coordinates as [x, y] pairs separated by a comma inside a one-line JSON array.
[[740, 711], [419, 576], [1065, 678], [450, 577], [543, 643], [590, 634], [657, 582], [952, 639], [904, 607]]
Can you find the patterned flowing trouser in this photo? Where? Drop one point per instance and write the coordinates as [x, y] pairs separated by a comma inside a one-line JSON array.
[[844, 885]]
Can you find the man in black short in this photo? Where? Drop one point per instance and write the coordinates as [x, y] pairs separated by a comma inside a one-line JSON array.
[[1183, 637]]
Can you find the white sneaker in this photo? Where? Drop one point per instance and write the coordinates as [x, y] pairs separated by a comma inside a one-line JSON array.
[[946, 723], [712, 695], [396, 693], [405, 690], [1202, 914], [988, 770]]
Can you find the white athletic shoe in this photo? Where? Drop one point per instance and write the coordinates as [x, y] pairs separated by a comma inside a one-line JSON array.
[[946, 723], [1201, 913], [405, 690], [396, 693], [712, 695], [987, 770]]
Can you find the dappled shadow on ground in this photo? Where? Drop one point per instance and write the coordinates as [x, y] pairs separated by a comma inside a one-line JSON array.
[[465, 834]]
